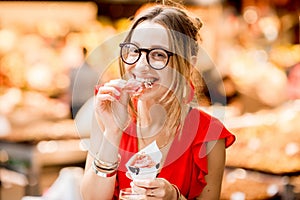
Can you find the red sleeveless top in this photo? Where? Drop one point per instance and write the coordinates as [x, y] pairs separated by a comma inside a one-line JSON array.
[[186, 162]]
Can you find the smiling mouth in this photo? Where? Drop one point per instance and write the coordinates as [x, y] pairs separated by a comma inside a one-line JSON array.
[[148, 83]]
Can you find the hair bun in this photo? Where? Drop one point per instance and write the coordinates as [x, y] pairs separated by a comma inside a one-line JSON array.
[[198, 23]]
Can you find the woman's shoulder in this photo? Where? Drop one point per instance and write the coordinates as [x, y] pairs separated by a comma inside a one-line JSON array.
[[201, 113], [209, 127]]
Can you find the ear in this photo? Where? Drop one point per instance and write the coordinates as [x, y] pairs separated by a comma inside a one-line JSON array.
[[193, 60]]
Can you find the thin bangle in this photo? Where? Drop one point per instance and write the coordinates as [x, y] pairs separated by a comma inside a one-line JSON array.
[[105, 169], [103, 173], [107, 165], [178, 193]]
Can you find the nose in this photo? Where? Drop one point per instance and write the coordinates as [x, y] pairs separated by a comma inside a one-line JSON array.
[[142, 63]]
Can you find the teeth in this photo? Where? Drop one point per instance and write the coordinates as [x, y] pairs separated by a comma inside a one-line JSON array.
[[148, 83], [146, 80]]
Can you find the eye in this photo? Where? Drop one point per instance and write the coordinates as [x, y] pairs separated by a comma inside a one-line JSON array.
[[133, 49], [158, 54]]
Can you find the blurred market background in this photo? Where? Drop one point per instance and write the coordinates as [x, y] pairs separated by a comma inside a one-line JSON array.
[[44, 44]]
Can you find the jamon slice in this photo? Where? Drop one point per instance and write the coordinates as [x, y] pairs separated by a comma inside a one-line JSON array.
[[133, 86], [145, 163], [142, 161], [139, 87]]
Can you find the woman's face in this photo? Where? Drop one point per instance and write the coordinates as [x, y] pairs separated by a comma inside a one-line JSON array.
[[149, 35]]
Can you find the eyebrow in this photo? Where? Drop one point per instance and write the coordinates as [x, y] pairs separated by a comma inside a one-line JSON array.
[[152, 47]]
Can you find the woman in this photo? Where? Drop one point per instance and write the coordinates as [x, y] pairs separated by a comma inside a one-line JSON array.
[[157, 65]]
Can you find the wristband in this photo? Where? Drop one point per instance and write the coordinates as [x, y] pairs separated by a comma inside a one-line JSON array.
[[103, 172]]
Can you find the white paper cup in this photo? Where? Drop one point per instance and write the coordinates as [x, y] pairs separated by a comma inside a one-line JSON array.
[[136, 172]]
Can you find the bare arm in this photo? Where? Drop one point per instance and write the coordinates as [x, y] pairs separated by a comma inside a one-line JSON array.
[[216, 162], [93, 186], [108, 122], [103, 146]]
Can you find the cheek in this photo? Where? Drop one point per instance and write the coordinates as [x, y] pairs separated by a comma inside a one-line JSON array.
[[166, 77], [128, 68], [127, 73]]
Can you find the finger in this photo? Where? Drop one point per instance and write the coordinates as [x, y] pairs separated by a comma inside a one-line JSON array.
[[161, 182], [132, 85], [155, 193], [157, 187], [141, 183], [120, 82], [108, 90], [151, 192], [106, 97], [154, 188], [146, 183], [117, 83], [137, 189]]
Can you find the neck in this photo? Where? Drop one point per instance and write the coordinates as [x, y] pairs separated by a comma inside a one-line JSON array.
[[151, 114], [163, 139], [151, 123]]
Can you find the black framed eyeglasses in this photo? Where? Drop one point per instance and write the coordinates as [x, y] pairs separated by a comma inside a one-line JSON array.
[[157, 58]]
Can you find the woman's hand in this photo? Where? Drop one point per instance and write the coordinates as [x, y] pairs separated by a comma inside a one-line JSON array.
[[158, 188], [111, 104]]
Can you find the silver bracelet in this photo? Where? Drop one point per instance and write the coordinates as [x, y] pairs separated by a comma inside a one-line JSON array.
[[103, 173], [105, 169], [105, 165]]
